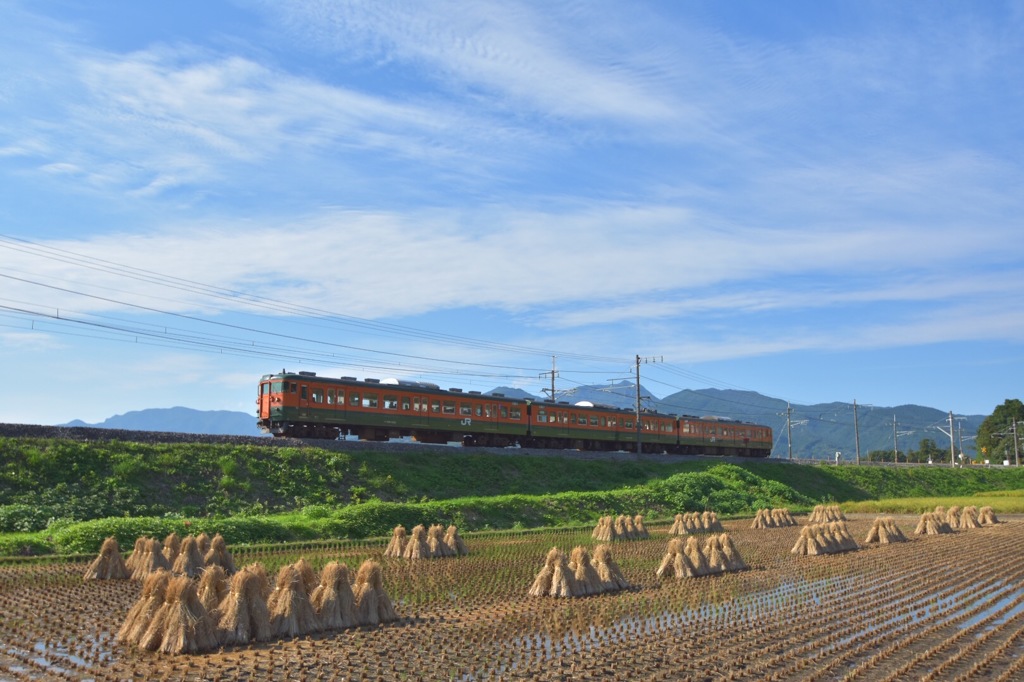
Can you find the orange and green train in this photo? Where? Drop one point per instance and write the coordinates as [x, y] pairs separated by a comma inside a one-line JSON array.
[[303, 405]]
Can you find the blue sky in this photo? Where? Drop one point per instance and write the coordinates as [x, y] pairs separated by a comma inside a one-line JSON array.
[[818, 201]]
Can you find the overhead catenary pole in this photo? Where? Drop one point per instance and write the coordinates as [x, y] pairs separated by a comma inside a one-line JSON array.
[[856, 430], [553, 374], [639, 435], [952, 445]]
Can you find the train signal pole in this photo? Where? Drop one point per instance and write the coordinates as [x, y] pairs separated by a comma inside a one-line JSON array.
[[639, 433]]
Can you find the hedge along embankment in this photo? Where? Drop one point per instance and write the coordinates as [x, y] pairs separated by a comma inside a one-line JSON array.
[[724, 488]]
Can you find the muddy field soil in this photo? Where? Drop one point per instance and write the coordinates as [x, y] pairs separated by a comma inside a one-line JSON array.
[[941, 607]]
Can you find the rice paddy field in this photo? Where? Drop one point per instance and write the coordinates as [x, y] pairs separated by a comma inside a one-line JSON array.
[[937, 607]]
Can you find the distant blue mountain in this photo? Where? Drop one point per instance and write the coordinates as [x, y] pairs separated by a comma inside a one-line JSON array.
[[181, 420], [819, 431]]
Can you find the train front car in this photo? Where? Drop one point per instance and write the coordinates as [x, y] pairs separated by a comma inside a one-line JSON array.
[[303, 405], [287, 406]]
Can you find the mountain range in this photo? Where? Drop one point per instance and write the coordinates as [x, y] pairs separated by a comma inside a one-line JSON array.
[[818, 431]]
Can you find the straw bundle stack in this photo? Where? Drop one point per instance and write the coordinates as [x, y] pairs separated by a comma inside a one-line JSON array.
[[585, 575], [733, 560], [691, 560], [579, 576], [622, 527], [203, 540], [436, 543], [987, 517], [824, 538], [291, 614], [604, 531], [244, 616], [333, 600], [219, 555], [555, 579], [213, 587], [397, 544], [140, 615], [826, 514], [181, 625], [695, 522], [932, 523], [373, 605], [108, 565], [171, 547], [611, 575], [884, 531], [675, 563], [455, 542], [542, 582], [417, 547], [713, 553], [190, 559], [710, 521], [693, 552], [969, 518], [133, 559], [308, 574], [773, 518], [151, 560], [262, 579]]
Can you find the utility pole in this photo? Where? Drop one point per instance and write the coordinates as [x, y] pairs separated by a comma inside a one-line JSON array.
[[639, 434], [1016, 454], [895, 448], [856, 430], [789, 428], [553, 374]]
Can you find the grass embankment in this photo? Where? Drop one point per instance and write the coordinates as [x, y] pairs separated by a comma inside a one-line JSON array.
[[66, 496]]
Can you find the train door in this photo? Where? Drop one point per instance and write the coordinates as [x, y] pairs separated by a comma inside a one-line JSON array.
[[263, 400]]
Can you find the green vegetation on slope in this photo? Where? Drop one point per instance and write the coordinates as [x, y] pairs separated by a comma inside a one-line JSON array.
[[48, 487]]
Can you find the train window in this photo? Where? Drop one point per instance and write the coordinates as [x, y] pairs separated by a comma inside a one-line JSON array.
[[330, 396], [542, 416], [318, 395], [503, 411], [604, 421], [466, 410], [276, 386], [449, 407], [416, 404], [405, 402], [488, 411], [515, 413], [354, 400], [480, 411], [390, 402], [370, 400], [341, 397], [304, 393], [435, 406], [593, 420], [572, 418]]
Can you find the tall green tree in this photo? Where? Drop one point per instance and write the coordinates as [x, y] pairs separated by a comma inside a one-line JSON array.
[[996, 433]]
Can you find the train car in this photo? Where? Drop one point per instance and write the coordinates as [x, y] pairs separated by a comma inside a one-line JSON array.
[[303, 405]]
